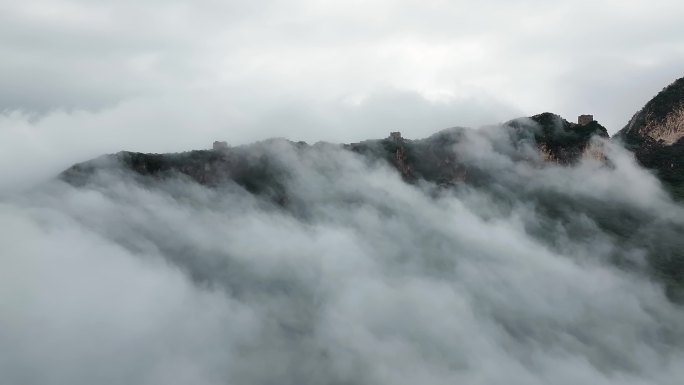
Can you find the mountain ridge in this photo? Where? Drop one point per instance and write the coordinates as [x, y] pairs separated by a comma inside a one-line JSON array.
[[543, 162], [655, 134], [431, 159]]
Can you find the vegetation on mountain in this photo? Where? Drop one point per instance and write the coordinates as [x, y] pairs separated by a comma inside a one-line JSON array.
[[656, 136], [445, 159]]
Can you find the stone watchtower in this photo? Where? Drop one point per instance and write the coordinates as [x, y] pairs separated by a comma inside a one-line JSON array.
[[220, 145], [395, 135], [583, 120]]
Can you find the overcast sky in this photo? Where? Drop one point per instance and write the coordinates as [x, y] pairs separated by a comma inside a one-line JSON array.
[[83, 77]]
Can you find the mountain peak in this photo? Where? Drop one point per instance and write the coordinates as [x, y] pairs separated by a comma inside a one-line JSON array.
[[661, 120], [656, 135]]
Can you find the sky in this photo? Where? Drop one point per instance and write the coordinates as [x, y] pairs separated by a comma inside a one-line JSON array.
[[80, 78]]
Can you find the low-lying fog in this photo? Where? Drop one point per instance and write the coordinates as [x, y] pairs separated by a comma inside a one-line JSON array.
[[545, 275]]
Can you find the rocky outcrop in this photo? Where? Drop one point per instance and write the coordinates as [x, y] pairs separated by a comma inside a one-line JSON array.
[[557, 139], [668, 131], [656, 136], [661, 120], [595, 151]]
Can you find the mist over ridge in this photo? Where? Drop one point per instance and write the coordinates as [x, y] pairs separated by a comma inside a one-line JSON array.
[[476, 256], [394, 192]]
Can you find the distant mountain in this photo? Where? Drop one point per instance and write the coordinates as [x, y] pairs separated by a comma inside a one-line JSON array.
[[521, 163], [656, 136], [432, 159]]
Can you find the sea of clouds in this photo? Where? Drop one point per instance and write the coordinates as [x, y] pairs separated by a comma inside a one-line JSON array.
[[541, 274]]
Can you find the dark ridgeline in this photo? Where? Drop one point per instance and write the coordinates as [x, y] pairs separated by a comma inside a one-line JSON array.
[[655, 134], [431, 159]]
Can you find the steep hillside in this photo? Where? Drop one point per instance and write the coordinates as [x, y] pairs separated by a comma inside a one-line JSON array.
[[656, 136]]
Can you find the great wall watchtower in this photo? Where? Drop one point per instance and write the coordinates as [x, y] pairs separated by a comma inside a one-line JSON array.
[[583, 120], [220, 145]]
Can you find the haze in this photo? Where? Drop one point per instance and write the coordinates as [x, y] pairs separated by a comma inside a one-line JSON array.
[[525, 271], [81, 78]]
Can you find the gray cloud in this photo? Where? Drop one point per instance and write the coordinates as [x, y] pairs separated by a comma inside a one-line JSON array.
[[362, 278], [35, 150], [83, 78], [527, 277]]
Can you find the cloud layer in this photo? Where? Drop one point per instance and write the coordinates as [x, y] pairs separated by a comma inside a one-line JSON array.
[[360, 279]]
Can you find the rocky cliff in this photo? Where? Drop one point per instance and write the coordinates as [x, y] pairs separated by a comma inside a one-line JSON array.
[[656, 136]]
